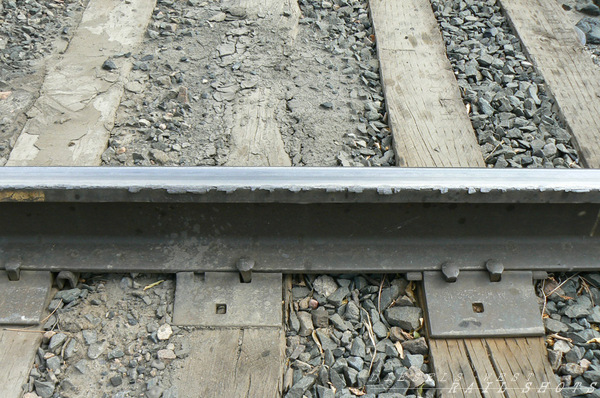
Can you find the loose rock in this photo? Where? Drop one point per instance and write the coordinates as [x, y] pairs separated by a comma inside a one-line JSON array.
[[408, 318], [164, 332]]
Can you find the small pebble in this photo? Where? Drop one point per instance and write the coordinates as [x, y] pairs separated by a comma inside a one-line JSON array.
[[109, 65]]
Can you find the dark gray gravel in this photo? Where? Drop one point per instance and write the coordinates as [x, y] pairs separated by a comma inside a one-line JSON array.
[[589, 27], [515, 119], [352, 334], [28, 29], [572, 322]]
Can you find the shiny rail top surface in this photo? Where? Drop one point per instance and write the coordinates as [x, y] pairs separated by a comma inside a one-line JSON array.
[[301, 185]]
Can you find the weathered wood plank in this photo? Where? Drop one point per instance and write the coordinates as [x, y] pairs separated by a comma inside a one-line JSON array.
[[522, 375], [488, 381], [255, 138], [439, 357], [469, 377], [233, 363], [493, 368], [17, 351], [535, 362], [506, 366], [427, 116], [571, 75], [69, 124], [448, 368]]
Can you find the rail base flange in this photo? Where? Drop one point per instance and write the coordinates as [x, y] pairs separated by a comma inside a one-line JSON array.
[[222, 299], [474, 306]]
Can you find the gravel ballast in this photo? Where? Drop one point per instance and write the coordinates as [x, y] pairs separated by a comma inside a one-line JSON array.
[[515, 119], [572, 318], [351, 335], [110, 337], [202, 60]]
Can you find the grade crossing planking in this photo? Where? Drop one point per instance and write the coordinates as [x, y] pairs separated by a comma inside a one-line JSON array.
[[571, 76], [429, 121]]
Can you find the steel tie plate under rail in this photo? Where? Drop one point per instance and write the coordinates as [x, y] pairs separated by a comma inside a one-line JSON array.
[[223, 299], [474, 306], [22, 301]]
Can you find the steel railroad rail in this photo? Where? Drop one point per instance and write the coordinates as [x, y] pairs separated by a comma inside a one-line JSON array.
[[297, 219]]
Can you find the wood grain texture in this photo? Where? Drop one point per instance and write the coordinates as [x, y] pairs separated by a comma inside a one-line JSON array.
[[571, 76], [452, 369], [525, 358], [17, 351], [490, 386], [493, 368], [70, 122], [428, 118], [236, 363], [255, 138]]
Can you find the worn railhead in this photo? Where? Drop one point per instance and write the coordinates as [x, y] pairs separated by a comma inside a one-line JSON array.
[[298, 185]]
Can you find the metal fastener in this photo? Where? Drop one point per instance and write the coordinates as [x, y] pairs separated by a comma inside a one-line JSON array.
[[450, 271], [245, 265], [13, 269], [495, 268]]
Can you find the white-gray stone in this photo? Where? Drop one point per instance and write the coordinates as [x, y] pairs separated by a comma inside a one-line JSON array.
[[325, 285], [561, 346], [164, 332], [306, 323], [56, 342], [415, 376], [97, 349]]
